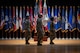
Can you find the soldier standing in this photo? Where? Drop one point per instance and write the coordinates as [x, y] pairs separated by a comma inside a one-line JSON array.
[[52, 31], [27, 29], [40, 31]]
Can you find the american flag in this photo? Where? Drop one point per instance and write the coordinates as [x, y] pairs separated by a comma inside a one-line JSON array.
[[35, 15], [31, 17]]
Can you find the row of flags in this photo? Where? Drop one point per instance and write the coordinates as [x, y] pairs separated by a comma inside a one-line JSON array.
[[65, 17], [13, 17]]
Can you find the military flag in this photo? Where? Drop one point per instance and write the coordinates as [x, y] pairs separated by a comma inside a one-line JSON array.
[[20, 18], [49, 15], [74, 19], [14, 18], [10, 19], [17, 18], [78, 18], [23, 18], [6, 19], [63, 19], [45, 16], [59, 18], [35, 15], [55, 17], [70, 18], [66, 18], [2, 17]]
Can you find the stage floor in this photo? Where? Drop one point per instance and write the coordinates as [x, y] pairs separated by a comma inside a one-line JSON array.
[[39, 49], [60, 46], [32, 42]]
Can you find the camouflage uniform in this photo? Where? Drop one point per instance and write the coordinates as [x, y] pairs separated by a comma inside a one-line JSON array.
[[52, 31], [40, 31], [27, 30]]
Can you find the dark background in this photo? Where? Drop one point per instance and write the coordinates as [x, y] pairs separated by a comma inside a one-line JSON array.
[[32, 2]]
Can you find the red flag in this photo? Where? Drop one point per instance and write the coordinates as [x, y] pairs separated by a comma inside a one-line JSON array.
[[40, 6]]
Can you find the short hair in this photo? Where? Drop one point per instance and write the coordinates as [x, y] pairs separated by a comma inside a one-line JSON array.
[[39, 15]]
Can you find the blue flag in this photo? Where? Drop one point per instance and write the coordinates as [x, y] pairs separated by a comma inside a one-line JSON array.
[[70, 18], [49, 15], [59, 18], [63, 19], [74, 19], [6, 19], [10, 19]]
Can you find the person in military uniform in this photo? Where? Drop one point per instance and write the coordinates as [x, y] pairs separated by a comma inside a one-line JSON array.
[[27, 29], [40, 30], [52, 31]]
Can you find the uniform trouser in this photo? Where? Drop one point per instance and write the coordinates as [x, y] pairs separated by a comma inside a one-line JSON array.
[[40, 37], [52, 36], [27, 35]]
